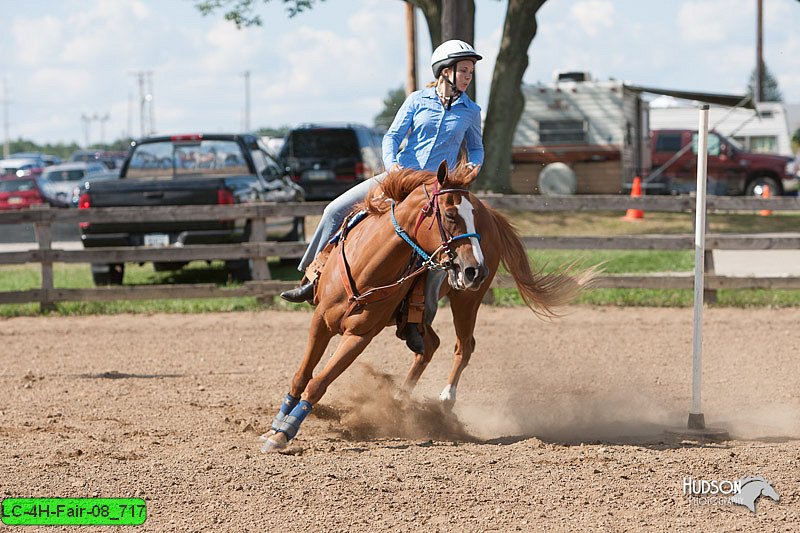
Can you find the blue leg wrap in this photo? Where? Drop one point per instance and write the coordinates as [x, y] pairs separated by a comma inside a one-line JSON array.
[[291, 424], [289, 403]]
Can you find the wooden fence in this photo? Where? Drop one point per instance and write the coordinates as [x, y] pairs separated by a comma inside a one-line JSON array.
[[258, 249]]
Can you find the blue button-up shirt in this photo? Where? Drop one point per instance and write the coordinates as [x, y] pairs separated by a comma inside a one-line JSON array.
[[436, 133]]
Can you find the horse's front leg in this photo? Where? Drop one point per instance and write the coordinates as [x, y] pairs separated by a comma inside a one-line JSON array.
[[464, 306], [319, 337], [347, 352]]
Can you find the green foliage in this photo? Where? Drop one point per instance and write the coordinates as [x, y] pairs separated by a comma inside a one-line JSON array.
[[243, 12], [391, 104], [64, 151], [770, 85], [273, 132]]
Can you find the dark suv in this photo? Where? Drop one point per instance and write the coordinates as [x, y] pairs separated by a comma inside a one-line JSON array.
[[327, 159]]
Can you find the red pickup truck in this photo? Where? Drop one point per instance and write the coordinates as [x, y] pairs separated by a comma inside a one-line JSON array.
[[731, 169]]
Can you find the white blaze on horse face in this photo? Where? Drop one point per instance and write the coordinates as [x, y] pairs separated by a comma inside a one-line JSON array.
[[467, 214]]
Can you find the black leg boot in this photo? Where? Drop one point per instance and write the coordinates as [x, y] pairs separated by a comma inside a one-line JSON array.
[[303, 293], [413, 338]]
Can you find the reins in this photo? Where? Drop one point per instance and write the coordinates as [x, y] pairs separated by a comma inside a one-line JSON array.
[[428, 261]]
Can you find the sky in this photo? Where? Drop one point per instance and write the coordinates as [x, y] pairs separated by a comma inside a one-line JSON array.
[[63, 60]]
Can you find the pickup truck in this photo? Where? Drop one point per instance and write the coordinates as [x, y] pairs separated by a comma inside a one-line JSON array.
[[197, 169], [731, 169]]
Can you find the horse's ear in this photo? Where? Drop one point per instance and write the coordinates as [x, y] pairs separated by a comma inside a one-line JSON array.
[[441, 174], [473, 174]]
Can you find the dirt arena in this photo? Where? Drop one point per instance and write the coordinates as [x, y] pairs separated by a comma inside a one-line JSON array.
[[558, 426]]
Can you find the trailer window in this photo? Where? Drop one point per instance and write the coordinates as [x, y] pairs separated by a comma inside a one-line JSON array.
[[668, 142], [562, 131]]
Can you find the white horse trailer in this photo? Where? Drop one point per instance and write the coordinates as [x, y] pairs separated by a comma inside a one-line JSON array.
[[581, 136]]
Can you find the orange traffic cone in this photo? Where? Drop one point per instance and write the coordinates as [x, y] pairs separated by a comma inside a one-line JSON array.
[[765, 194], [636, 191]]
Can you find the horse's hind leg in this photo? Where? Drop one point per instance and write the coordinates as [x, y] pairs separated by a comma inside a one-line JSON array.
[[421, 360], [349, 349]]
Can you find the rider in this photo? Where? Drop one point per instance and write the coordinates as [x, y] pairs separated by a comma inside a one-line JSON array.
[[436, 121]]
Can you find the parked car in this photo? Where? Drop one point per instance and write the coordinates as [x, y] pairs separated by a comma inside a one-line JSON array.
[[732, 170], [197, 169], [327, 159], [86, 184], [58, 182], [111, 159], [19, 192], [43, 160], [19, 167]]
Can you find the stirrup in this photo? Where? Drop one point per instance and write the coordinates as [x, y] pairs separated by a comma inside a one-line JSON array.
[[303, 293]]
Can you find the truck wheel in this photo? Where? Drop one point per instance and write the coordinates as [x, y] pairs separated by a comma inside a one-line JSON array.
[[239, 270], [756, 186], [105, 274]]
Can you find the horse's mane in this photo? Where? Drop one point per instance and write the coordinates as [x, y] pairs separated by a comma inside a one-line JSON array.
[[397, 185]]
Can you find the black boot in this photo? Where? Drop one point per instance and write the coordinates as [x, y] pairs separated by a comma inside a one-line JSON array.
[[303, 293], [413, 338]]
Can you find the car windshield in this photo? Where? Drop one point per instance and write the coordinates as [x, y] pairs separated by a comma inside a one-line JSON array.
[[161, 159], [17, 185], [325, 143], [64, 175]]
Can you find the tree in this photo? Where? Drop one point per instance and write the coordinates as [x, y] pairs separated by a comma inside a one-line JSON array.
[[391, 104], [242, 12], [770, 85]]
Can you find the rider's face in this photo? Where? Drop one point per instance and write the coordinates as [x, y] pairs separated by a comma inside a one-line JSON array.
[[465, 69]]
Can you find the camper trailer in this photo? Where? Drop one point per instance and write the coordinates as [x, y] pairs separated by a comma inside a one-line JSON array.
[[582, 136]]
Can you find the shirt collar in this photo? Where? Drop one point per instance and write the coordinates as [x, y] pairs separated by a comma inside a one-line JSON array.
[[430, 92]]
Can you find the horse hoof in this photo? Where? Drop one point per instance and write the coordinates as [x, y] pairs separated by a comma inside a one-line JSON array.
[[267, 435], [276, 442]]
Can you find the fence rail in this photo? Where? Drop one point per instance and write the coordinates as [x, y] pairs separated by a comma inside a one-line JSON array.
[[258, 249]]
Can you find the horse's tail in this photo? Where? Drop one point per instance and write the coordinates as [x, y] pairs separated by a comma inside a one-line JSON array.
[[542, 292]]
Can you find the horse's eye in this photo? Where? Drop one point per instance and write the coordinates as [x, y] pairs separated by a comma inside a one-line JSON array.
[[450, 217]]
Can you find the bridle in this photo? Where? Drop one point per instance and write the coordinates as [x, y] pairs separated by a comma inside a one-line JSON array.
[[432, 209], [425, 262]]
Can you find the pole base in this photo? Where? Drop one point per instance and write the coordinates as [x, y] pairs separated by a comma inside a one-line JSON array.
[[697, 421], [696, 430]]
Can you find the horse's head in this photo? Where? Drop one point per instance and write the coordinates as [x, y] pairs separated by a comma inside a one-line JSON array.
[[454, 208]]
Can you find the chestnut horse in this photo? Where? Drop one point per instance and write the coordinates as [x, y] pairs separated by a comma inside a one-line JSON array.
[[415, 221]]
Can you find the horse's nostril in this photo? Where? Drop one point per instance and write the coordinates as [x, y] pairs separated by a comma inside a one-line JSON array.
[[470, 273]]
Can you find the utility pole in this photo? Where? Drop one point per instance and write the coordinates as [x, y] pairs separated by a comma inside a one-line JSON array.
[[759, 88], [6, 136], [246, 75], [411, 48], [145, 102], [86, 121], [103, 121]]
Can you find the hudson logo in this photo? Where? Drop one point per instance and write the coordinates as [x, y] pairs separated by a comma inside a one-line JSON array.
[[744, 491]]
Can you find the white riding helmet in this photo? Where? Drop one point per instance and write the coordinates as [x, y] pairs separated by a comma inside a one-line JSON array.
[[451, 52]]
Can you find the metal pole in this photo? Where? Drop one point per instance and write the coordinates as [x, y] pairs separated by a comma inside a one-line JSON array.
[[6, 136], [696, 419], [759, 88], [246, 75], [411, 48]]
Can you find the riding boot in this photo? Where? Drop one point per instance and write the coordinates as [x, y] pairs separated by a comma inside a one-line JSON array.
[[303, 293], [413, 338]]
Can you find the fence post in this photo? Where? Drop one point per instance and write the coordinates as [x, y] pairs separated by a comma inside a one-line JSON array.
[[44, 238], [258, 233]]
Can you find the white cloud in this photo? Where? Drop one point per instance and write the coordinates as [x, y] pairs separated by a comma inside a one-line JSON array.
[[714, 21], [594, 16]]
